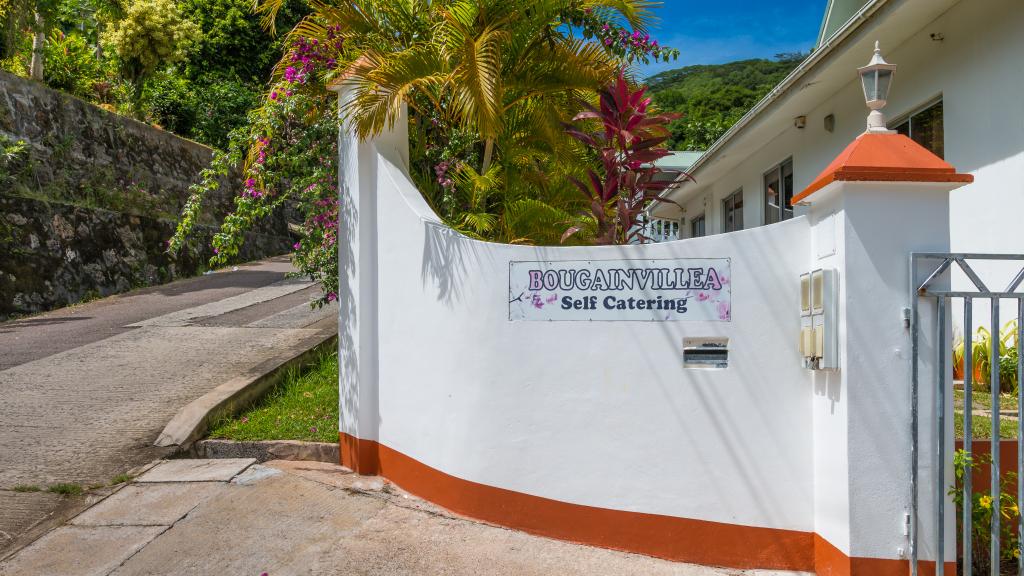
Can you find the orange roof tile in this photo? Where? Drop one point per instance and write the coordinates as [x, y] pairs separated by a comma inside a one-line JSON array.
[[884, 158]]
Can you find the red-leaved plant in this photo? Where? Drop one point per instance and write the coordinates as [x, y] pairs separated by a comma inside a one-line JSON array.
[[628, 145]]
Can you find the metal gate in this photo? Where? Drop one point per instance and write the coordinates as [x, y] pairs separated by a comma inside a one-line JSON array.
[[929, 276]]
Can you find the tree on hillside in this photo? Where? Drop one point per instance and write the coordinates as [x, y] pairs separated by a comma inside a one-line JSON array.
[[153, 33], [711, 98]]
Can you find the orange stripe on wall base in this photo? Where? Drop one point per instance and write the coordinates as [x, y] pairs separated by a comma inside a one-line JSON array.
[[830, 561], [669, 537], [679, 539]]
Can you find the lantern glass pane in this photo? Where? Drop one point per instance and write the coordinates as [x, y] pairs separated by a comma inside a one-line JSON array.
[[883, 82], [867, 78]]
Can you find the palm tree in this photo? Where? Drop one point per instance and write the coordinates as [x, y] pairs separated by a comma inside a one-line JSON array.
[[510, 71]]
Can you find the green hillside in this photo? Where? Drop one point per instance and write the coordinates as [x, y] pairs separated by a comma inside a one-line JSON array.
[[713, 97]]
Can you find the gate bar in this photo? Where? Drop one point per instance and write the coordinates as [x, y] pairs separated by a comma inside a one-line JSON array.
[[968, 513], [994, 381], [940, 443], [1020, 430]]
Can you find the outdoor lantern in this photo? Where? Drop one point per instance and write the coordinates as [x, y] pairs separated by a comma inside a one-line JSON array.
[[876, 79]]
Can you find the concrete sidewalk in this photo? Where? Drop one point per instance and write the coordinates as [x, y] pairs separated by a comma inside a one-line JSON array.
[[86, 390], [217, 517]]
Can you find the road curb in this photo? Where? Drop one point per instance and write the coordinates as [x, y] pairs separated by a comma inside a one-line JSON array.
[[265, 450], [233, 396]]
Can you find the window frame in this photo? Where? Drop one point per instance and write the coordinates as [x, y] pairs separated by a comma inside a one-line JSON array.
[[702, 219], [778, 170], [908, 118], [736, 194]]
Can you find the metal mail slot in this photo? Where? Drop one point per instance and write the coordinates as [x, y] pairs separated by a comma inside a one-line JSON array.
[[706, 353]]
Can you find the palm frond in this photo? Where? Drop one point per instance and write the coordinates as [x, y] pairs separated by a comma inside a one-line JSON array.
[[384, 81]]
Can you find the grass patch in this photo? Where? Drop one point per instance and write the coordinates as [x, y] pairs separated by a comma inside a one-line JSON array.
[[120, 479], [983, 400], [65, 489], [27, 488], [304, 406], [981, 427]]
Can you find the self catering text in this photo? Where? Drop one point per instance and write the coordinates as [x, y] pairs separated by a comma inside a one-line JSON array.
[[613, 303]]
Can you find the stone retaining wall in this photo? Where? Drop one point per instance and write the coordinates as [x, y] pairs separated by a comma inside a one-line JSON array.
[[88, 203], [55, 254]]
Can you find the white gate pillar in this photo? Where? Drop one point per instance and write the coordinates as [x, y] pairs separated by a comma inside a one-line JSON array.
[[881, 199], [358, 273]]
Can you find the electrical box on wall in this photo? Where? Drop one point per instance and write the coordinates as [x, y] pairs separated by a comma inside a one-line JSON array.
[[819, 319]]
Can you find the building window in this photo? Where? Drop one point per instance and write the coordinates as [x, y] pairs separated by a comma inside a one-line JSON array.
[[925, 128], [778, 193], [732, 212], [662, 230], [698, 226]]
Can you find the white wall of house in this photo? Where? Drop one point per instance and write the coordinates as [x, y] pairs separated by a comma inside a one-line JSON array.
[[977, 70]]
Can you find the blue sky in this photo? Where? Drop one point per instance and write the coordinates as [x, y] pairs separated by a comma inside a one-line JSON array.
[[716, 31]]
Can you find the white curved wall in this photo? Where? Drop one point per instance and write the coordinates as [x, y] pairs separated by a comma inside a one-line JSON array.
[[595, 431], [595, 413]]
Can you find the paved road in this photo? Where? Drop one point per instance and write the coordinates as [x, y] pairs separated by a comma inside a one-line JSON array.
[[85, 391], [220, 517]]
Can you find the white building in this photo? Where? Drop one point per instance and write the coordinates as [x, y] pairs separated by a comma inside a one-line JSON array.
[[957, 92]]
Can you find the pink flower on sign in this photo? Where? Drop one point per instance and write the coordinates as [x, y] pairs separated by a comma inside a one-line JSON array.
[[552, 298], [537, 302], [724, 313], [702, 296]]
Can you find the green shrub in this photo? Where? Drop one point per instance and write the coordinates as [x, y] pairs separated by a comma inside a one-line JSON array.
[[169, 101], [14, 159], [981, 512], [71, 65], [981, 357], [221, 105]]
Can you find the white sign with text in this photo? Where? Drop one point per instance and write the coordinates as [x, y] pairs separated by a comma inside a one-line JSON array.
[[644, 290]]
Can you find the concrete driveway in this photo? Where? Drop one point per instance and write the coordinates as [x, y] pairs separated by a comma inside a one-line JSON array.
[[220, 517], [85, 391]]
